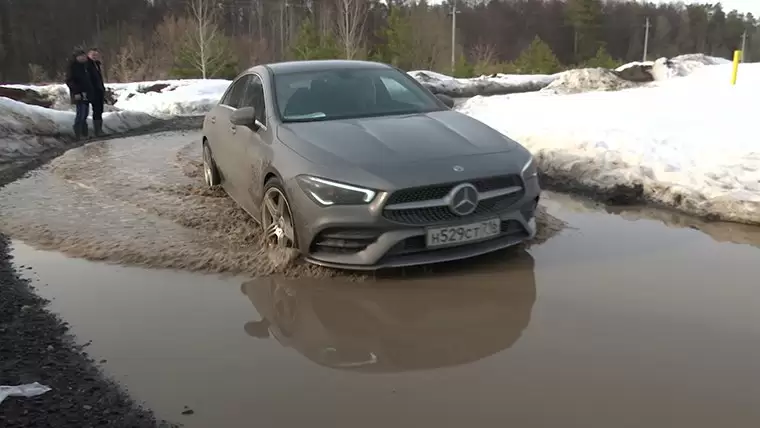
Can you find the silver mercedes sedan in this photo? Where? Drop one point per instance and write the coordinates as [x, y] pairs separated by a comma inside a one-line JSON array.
[[358, 166]]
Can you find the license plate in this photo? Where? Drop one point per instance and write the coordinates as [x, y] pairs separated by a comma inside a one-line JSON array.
[[462, 234]]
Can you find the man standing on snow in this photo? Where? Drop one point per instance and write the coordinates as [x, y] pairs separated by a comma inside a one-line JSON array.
[[79, 82], [99, 89]]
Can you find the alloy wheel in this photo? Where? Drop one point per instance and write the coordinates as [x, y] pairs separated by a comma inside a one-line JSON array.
[[277, 220], [207, 171]]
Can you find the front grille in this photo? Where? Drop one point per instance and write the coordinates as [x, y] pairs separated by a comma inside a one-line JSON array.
[[416, 244], [434, 215], [416, 194], [344, 241]]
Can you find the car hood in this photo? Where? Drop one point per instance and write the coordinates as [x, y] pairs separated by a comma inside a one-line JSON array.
[[367, 142]]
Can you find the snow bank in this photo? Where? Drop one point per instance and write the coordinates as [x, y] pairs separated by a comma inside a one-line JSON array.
[[27, 130], [161, 98], [20, 118], [484, 85], [684, 142]]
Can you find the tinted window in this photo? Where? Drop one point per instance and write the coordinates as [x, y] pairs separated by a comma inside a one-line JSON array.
[[254, 97], [346, 93], [400, 93], [235, 95]]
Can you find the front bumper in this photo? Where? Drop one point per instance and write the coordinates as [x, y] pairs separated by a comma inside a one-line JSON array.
[[361, 238]]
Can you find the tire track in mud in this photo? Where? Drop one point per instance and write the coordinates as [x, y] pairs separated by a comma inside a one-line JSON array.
[[142, 201]]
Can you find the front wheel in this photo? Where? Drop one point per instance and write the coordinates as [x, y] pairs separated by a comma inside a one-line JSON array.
[[277, 218], [210, 173]]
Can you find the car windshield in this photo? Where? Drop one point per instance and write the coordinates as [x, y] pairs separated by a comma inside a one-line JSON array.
[[349, 93]]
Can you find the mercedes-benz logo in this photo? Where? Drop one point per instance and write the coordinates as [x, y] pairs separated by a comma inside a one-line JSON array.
[[458, 168], [463, 199]]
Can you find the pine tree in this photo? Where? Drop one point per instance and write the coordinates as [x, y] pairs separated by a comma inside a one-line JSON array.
[[586, 18], [538, 58], [602, 59], [309, 44]]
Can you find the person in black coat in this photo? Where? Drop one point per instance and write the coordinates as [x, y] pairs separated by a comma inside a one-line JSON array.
[[99, 89], [81, 90]]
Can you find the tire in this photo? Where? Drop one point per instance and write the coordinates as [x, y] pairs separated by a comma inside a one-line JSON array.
[[279, 227], [210, 173]]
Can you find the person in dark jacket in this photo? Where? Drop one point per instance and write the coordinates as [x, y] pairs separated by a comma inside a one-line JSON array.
[[99, 89], [80, 87]]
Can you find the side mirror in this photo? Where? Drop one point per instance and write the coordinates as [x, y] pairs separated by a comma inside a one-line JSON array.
[[446, 100], [245, 116]]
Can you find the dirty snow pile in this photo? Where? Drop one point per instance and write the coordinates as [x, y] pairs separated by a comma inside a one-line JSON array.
[[497, 84], [587, 79], [172, 98], [685, 142], [678, 66], [631, 75]]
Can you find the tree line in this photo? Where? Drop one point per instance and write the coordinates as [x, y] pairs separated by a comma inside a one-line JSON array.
[[155, 39]]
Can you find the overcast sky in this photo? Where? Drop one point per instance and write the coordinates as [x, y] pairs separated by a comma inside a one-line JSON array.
[[728, 5]]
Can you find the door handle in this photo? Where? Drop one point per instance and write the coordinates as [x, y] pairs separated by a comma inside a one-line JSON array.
[[213, 119], [233, 128]]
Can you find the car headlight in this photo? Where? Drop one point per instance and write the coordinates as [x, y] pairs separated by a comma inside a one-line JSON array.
[[328, 192], [530, 169]]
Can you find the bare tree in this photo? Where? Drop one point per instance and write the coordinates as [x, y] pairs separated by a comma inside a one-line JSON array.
[[352, 16], [207, 48], [131, 63]]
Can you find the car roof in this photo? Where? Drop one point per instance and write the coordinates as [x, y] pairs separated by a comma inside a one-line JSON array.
[[322, 65]]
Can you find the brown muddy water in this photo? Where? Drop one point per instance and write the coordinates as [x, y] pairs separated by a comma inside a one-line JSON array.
[[141, 201], [624, 319]]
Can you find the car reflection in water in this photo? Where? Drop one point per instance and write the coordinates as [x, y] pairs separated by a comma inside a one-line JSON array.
[[402, 324]]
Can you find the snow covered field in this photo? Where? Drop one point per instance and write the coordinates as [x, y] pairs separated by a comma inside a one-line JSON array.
[[684, 140], [689, 143]]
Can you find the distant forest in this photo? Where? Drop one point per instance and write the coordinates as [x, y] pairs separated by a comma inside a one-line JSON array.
[[153, 39]]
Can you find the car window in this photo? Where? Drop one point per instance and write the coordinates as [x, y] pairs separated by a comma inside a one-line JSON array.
[[254, 97], [400, 93], [234, 96], [349, 93]]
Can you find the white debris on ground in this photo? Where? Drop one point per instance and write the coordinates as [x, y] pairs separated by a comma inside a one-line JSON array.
[[498, 84], [28, 390], [684, 141]]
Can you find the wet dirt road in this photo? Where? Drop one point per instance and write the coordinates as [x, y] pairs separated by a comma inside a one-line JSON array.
[[620, 321], [626, 318]]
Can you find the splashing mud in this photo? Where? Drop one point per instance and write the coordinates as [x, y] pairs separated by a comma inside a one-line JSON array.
[[142, 201]]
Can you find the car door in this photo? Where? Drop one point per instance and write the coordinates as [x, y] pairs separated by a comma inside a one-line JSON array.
[[223, 149], [253, 146]]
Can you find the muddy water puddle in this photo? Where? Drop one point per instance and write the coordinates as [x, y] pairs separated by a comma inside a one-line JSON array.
[[141, 201], [619, 321]]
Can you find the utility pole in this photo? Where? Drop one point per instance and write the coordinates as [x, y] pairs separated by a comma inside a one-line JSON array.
[[454, 12], [646, 38], [744, 44]]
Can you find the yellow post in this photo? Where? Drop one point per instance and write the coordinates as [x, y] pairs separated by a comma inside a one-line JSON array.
[[737, 59]]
